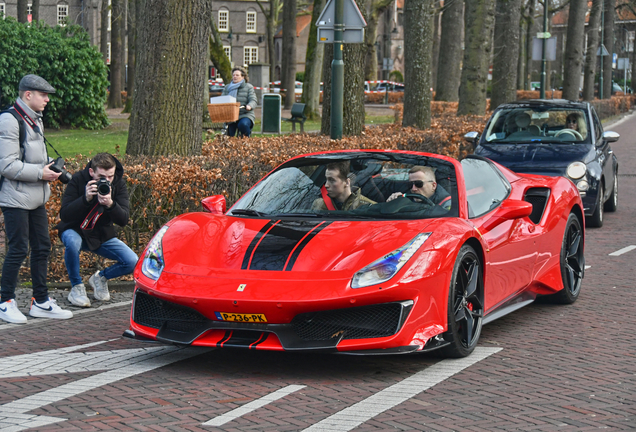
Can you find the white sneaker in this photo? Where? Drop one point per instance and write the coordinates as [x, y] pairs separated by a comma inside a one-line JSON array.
[[10, 313], [100, 287], [48, 309], [78, 297]]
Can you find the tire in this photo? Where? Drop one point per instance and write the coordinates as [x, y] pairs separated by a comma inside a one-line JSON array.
[[596, 220], [465, 305], [612, 203], [572, 262]]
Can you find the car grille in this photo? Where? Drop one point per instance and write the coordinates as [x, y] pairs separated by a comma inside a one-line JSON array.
[[153, 312], [353, 323]]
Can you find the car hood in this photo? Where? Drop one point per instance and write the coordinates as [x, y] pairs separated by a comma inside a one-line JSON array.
[[535, 158], [201, 244]]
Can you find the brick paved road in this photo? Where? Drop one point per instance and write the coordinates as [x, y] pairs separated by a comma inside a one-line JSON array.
[[561, 368]]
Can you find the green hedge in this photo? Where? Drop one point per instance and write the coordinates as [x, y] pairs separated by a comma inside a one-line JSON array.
[[65, 58]]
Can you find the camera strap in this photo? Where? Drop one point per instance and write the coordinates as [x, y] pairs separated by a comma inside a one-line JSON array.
[[28, 120], [92, 217]]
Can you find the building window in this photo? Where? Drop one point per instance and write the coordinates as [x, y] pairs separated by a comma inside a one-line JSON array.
[[224, 19], [62, 14], [110, 14], [630, 41], [250, 22], [250, 55], [228, 52], [2, 9], [108, 53]]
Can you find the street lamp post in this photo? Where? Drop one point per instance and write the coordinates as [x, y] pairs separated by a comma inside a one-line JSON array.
[[337, 72], [544, 49]]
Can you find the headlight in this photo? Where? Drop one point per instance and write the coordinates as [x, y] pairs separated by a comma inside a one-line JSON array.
[[153, 264], [582, 186], [386, 267], [576, 170]]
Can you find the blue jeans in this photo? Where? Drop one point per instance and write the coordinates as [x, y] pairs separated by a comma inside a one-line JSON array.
[[113, 249], [244, 126], [26, 228]]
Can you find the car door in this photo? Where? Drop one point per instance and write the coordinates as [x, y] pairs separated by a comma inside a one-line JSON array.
[[511, 251], [604, 156]]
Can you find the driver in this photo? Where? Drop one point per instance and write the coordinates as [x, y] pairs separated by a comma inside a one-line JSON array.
[[422, 182], [572, 121], [339, 191]]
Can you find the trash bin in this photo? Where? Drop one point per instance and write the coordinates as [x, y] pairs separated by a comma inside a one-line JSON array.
[[271, 113]]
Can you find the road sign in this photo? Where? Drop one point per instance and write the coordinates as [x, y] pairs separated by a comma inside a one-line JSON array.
[[354, 23], [543, 35], [602, 51], [623, 63], [537, 49]]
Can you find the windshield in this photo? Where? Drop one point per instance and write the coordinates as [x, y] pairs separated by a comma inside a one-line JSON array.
[[538, 124], [355, 186]]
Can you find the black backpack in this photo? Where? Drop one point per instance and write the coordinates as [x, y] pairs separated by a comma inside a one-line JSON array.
[[22, 135]]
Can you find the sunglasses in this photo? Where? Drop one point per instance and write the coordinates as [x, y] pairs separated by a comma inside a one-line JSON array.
[[419, 183]]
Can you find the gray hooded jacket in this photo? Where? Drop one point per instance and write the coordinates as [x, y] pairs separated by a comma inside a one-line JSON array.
[[23, 186]]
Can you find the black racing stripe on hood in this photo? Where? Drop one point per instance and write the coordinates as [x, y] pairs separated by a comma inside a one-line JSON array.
[[277, 245], [303, 243], [252, 246]]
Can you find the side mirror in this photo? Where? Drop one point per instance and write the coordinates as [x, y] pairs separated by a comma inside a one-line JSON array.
[[610, 136], [508, 210], [472, 137], [514, 209], [215, 204]]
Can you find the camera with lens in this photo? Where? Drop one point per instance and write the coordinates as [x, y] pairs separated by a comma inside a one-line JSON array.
[[103, 186], [58, 167]]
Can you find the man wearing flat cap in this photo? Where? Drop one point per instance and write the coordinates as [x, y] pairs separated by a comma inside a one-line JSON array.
[[24, 190]]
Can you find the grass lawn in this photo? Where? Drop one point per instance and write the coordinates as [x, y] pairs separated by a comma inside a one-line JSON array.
[[70, 142]]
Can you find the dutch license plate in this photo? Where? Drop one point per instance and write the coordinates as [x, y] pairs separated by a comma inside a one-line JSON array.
[[236, 317]]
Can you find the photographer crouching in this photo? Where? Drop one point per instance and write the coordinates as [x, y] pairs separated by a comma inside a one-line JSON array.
[[26, 172], [94, 199]]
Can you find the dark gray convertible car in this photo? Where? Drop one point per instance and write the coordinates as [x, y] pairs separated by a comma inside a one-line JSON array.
[[557, 138]]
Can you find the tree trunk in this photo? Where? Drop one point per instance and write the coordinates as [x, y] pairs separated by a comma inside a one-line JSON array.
[[436, 41], [35, 11], [480, 18], [353, 56], [132, 44], [529, 28], [22, 11], [371, 58], [288, 78], [574, 45], [418, 49], [313, 66], [217, 54], [506, 52], [114, 97], [166, 115], [450, 52], [608, 41], [103, 33], [272, 24], [522, 53]]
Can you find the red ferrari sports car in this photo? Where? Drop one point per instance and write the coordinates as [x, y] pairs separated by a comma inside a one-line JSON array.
[[362, 251]]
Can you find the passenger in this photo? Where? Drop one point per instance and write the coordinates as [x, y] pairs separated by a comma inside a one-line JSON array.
[[422, 182], [339, 190]]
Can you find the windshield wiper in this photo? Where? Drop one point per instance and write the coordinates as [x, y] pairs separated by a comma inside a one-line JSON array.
[[248, 212], [313, 215]]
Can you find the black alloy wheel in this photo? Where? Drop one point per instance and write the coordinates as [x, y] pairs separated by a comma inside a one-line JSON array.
[[596, 220], [572, 262], [612, 203], [465, 305]]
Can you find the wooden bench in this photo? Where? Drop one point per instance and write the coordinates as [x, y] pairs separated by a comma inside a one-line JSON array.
[[297, 116]]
